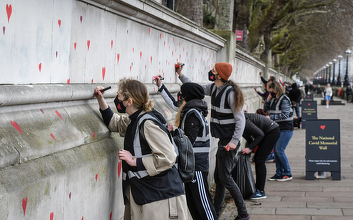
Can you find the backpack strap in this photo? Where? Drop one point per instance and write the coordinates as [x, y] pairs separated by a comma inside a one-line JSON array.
[[205, 135]]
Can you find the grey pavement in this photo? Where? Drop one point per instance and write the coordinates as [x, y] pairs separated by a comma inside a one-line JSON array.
[[300, 199]]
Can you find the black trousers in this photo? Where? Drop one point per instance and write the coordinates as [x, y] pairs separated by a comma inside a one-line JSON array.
[[198, 197], [224, 165], [263, 150]]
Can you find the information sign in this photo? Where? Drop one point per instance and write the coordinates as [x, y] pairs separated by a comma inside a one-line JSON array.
[[323, 147], [309, 111]]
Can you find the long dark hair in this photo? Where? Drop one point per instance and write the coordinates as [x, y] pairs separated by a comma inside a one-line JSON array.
[[238, 94]]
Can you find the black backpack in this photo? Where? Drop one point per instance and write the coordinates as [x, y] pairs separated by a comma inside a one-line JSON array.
[[185, 161]]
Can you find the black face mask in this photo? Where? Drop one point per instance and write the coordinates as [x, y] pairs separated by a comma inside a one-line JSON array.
[[211, 76], [273, 95], [180, 99], [119, 105]]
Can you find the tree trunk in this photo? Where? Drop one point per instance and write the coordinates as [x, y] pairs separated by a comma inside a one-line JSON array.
[[191, 9], [242, 21], [267, 47]]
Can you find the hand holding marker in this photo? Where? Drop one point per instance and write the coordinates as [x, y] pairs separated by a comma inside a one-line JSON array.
[[102, 90]]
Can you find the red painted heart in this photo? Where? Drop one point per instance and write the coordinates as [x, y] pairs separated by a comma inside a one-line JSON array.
[[140, 55], [75, 44], [309, 104], [103, 72], [40, 67], [119, 169], [88, 44], [322, 127], [96, 176], [58, 114], [81, 19], [151, 59], [15, 125], [118, 57], [9, 12], [94, 135], [51, 216], [59, 23], [68, 81], [70, 195], [24, 206], [111, 44], [52, 136], [3, 30]]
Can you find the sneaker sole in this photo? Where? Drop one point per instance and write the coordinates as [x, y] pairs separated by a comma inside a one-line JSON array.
[[282, 180], [263, 197]]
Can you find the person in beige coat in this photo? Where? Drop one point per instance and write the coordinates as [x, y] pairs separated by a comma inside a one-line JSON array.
[[152, 187]]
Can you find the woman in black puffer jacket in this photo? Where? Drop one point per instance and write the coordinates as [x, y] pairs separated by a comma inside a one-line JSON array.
[[262, 132]]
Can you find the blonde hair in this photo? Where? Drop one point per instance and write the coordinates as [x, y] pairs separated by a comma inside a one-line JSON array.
[[137, 92], [277, 88], [177, 117]]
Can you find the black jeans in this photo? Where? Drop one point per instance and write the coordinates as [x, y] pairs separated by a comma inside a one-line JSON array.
[[263, 150], [224, 165]]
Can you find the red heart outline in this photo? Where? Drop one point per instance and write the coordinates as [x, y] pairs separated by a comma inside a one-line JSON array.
[[323, 127], [24, 205], [8, 12]]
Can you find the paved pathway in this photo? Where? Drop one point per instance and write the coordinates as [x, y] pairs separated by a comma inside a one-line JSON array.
[[300, 199]]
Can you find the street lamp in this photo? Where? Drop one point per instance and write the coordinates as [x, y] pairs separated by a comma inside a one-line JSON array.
[[329, 72], [333, 74], [346, 79], [326, 81], [338, 83]]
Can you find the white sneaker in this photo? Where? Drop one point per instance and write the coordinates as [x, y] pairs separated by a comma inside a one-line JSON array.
[[326, 106]]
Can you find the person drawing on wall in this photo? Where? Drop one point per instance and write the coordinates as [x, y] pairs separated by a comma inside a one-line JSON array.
[[152, 187], [227, 123], [191, 118]]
